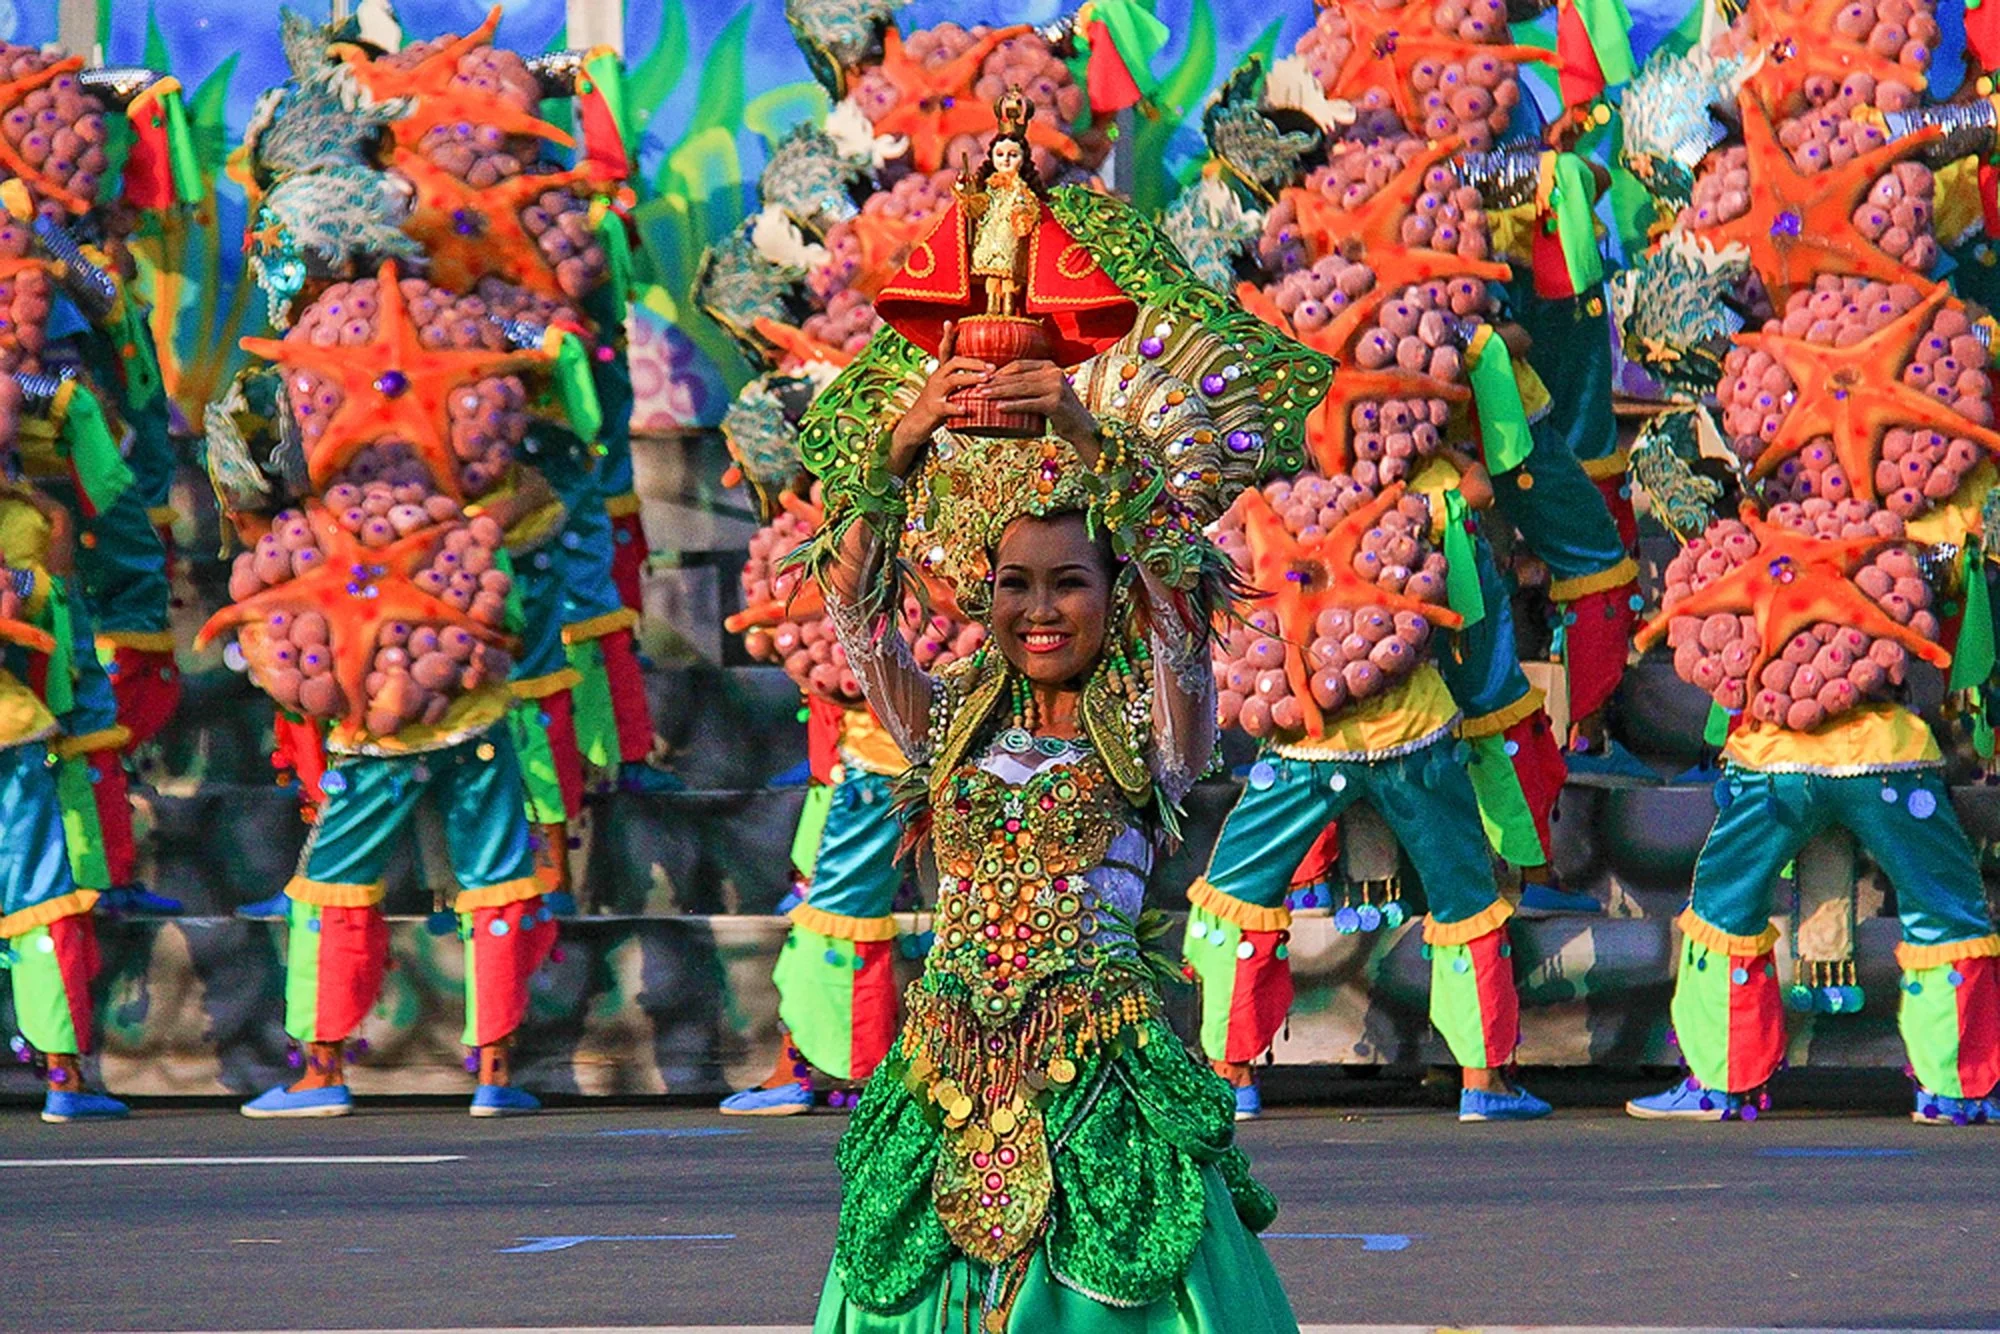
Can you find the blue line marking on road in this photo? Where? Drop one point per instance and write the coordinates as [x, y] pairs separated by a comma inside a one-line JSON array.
[[671, 1132], [1809, 1151], [543, 1245], [1370, 1241]]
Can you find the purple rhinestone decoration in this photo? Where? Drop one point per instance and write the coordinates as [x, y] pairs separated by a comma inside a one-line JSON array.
[[1151, 347], [392, 384], [1240, 442], [1213, 385]]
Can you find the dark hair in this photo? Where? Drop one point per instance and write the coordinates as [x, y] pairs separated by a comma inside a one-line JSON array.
[[1029, 176]]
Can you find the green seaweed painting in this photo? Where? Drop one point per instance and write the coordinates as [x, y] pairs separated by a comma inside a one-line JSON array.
[[697, 196], [198, 306], [1176, 106]]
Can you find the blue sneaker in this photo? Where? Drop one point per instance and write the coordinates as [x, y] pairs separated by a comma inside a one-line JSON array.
[[128, 900], [792, 1099], [1614, 766], [798, 775], [1249, 1103], [277, 908], [1689, 1101], [281, 1103], [1520, 1105], [1935, 1109], [1701, 775], [503, 1100], [1547, 899], [61, 1107], [639, 776]]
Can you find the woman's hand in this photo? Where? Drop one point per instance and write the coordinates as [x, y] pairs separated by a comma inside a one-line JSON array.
[[1042, 388], [934, 407], [1474, 482]]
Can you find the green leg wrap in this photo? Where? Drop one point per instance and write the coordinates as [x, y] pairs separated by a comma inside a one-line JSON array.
[[1929, 1023], [302, 972], [596, 720], [1210, 949], [1474, 1005], [83, 835], [1728, 1018], [41, 998], [815, 981], [1951, 1026], [542, 786], [812, 824], [1503, 806]]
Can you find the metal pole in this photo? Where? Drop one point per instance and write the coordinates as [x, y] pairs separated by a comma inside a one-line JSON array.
[[597, 23], [76, 27], [1124, 155]]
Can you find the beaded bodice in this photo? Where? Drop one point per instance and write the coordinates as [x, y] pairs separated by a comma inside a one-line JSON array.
[[1032, 974], [1014, 906]]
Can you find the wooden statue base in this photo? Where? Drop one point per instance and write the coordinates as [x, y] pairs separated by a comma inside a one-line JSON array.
[[999, 340]]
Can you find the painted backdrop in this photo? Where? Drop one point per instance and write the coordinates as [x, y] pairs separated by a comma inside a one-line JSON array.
[[712, 83]]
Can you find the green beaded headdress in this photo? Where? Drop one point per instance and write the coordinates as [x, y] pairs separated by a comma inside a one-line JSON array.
[[1194, 403]]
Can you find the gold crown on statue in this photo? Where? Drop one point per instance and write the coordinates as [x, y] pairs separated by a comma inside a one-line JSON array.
[[1014, 111]]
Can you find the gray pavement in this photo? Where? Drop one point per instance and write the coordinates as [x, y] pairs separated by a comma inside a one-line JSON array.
[[1394, 1214]]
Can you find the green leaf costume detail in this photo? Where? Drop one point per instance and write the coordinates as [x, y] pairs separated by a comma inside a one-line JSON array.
[[1141, 260]]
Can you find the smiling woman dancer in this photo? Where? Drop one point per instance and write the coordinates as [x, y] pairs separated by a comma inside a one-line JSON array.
[[1040, 1151]]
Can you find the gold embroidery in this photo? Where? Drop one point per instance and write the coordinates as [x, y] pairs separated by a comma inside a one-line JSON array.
[[1075, 261]]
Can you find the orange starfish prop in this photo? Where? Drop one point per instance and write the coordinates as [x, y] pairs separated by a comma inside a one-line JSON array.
[[1855, 394], [1303, 579], [436, 102], [1801, 225], [885, 243], [1330, 427], [1792, 583], [472, 234], [392, 388], [1373, 231], [796, 347], [1387, 43], [1800, 42], [12, 94], [358, 589], [938, 105]]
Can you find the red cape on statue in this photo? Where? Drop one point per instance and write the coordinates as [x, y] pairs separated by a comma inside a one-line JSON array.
[[1083, 311]]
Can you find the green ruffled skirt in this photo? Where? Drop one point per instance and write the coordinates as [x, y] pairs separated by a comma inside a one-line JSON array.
[[1152, 1221]]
